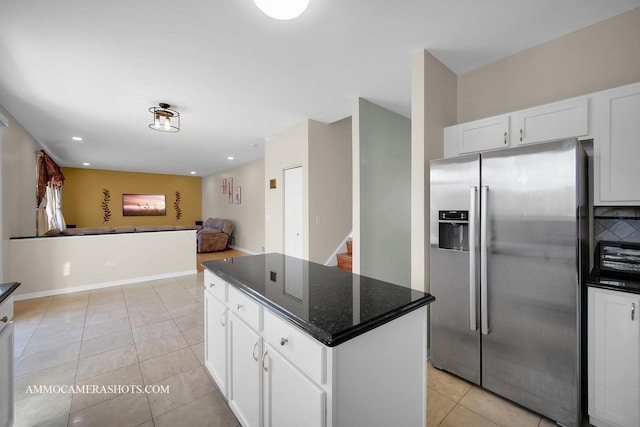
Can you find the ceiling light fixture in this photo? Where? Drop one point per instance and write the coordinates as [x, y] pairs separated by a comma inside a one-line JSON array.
[[165, 119], [230, 158], [76, 138], [282, 9], [86, 164]]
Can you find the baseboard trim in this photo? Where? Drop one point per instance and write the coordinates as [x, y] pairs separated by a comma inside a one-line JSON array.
[[93, 286], [238, 248]]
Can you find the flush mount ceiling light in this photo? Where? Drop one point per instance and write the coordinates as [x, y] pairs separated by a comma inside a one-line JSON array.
[[282, 9], [164, 118]]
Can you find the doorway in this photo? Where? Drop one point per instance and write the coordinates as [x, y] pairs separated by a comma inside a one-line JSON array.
[[293, 213]]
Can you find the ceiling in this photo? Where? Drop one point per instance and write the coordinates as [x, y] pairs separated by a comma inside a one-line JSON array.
[[92, 69]]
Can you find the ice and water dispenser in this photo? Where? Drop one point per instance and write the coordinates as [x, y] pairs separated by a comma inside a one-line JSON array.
[[453, 230]]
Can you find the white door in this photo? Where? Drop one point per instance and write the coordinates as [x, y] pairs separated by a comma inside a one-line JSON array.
[[291, 399], [245, 380], [215, 327], [293, 215]]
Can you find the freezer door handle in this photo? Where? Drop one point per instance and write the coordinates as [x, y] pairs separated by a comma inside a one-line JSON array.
[[484, 315], [473, 199]]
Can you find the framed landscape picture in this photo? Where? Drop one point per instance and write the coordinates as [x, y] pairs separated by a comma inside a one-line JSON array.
[[143, 205]]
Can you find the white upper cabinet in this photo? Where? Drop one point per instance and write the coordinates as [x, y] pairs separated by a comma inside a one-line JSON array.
[[566, 119], [483, 135], [616, 131]]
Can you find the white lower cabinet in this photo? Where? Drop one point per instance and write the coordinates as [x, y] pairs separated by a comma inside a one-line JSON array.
[[215, 326], [6, 363], [277, 375], [245, 372], [614, 358], [290, 398]]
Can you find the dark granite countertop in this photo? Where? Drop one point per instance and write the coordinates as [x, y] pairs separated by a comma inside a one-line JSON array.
[[617, 283], [7, 289], [331, 305]]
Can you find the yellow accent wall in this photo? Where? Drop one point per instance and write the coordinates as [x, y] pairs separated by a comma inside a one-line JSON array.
[[82, 197]]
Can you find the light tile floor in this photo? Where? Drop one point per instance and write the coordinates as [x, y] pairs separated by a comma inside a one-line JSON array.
[[152, 333], [453, 402], [149, 333]]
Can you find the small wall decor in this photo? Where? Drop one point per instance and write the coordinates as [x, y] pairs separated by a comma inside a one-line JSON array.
[[176, 205], [224, 186], [143, 205], [106, 198], [236, 195], [230, 189]]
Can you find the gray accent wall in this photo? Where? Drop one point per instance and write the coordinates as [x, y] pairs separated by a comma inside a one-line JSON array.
[[385, 194]]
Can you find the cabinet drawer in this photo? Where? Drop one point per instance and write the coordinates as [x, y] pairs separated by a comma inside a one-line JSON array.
[[304, 352], [245, 308], [6, 309], [214, 284]]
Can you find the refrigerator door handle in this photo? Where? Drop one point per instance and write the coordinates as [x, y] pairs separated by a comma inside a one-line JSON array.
[[484, 315], [473, 199]]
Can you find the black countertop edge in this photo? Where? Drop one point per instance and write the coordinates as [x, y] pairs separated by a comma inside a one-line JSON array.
[[6, 289], [317, 333], [620, 286], [615, 281]]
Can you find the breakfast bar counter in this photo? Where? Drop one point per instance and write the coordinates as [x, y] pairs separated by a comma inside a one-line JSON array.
[[291, 342]]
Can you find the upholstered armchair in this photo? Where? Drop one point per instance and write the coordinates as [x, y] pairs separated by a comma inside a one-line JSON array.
[[214, 235]]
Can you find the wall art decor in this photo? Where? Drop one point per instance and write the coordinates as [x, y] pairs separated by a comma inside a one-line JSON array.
[[106, 198], [176, 205], [230, 189], [224, 186], [236, 195], [143, 205]]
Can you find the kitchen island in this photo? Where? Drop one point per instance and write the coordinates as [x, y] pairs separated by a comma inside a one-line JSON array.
[[291, 342]]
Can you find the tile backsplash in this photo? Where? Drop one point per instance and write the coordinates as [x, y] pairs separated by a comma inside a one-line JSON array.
[[616, 223]]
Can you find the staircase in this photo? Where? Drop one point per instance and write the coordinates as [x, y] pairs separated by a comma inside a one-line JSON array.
[[344, 260]]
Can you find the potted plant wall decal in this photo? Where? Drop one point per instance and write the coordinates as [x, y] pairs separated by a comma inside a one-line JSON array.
[[176, 205], [106, 198]]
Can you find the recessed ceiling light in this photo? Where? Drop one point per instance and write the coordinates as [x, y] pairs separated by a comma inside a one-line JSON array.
[[76, 138], [230, 158], [86, 164], [192, 172]]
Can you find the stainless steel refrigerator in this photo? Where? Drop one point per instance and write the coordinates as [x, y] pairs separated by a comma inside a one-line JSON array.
[[507, 257]]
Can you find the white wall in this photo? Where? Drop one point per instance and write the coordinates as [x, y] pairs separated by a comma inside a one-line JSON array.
[[324, 152], [19, 179], [4, 122], [602, 56], [286, 149], [53, 265], [330, 189], [433, 107], [248, 216], [382, 190]]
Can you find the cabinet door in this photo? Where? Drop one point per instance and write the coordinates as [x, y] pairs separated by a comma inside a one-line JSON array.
[[617, 146], [568, 119], [614, 351], [290, 398], [215, 329], [245, 372], [482, 135], [6, 374]]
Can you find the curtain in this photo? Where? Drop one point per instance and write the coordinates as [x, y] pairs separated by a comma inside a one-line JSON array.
[[49, 195]]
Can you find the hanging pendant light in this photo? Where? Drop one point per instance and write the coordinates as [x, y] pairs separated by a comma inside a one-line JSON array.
[[165, 119], [282, 9]]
